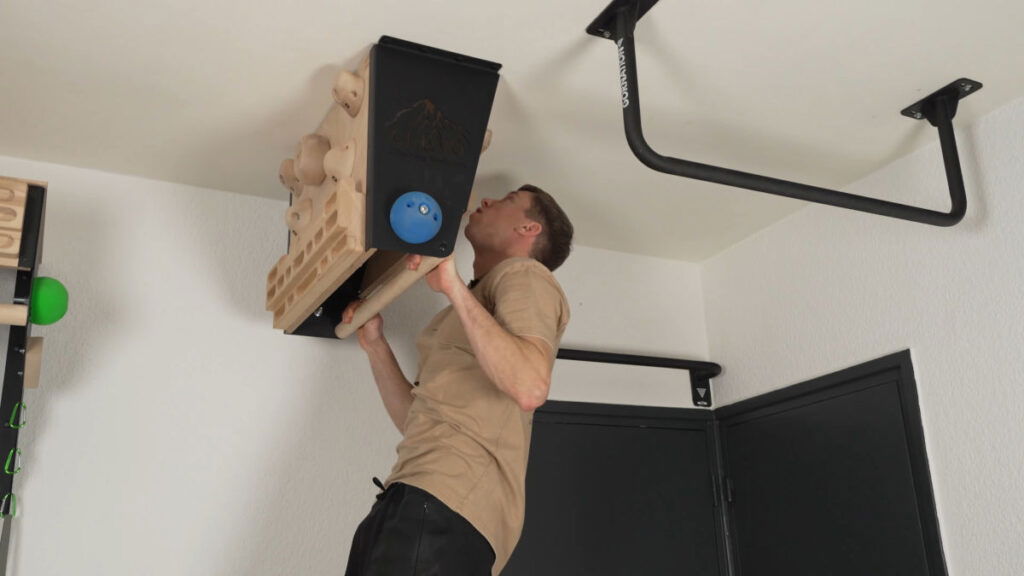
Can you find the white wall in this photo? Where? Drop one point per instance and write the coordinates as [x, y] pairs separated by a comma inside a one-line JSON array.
[[176, 433], [636, 305], [826, 288]]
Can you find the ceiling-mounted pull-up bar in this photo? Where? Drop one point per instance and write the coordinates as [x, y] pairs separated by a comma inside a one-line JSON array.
[[617, 23]]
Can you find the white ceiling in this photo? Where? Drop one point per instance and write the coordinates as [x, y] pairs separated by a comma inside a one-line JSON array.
[[215, 93]]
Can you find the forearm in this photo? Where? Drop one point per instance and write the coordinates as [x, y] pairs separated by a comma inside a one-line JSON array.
[[518, 367], [395, 390]]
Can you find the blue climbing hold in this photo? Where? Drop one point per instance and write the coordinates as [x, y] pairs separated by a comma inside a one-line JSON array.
[[416, 217]]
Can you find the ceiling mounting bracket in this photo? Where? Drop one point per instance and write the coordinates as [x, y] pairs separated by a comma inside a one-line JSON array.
[[617, 22]]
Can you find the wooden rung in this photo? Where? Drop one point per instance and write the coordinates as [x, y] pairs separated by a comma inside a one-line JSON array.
[[399, 279], [33, 361], [380, 268], [13, 314]]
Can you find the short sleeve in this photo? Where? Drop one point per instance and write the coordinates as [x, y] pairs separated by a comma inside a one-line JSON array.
[[529, 302]]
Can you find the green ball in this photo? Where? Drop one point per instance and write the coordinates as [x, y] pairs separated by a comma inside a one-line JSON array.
[[49, 301]]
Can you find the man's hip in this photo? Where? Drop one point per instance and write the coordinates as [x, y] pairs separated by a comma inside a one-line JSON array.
[[409, 532]]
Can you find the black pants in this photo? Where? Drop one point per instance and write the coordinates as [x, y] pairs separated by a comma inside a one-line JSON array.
[[410, 533]]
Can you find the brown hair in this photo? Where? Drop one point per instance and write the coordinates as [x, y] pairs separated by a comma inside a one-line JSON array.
[[553, 245]]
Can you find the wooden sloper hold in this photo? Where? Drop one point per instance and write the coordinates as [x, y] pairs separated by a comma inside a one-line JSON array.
[[12, 218]]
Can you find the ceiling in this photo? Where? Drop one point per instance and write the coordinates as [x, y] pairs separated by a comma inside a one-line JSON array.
[[215, 93]]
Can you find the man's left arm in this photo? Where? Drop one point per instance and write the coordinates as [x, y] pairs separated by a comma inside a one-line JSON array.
[[520, 366]]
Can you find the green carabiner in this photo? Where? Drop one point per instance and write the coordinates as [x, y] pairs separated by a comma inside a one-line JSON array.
[[12, 510], [13, 422], [13, 458]]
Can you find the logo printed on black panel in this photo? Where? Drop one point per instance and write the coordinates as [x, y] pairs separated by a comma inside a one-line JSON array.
[[422, 130]]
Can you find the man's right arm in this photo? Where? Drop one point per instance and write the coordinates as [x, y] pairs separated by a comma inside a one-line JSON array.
[[395, 390]]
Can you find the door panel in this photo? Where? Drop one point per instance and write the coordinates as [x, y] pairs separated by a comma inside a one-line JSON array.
[[618, 499], [830, 477]]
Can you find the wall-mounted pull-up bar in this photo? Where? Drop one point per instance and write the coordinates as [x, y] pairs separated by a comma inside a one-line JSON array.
[[617, 23], [701, 372]]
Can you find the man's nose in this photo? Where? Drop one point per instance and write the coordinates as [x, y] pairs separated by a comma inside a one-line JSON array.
[[486, 202]]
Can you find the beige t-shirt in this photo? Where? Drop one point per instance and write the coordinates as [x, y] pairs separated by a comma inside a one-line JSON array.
[[465, 441]]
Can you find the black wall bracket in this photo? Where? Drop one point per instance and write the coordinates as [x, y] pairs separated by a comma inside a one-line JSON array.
[[617, 23]]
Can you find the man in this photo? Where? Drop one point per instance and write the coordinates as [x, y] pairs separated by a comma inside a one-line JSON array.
[[455, 500]]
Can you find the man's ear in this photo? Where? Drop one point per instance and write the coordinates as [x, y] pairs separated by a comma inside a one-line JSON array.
[[531, 228]]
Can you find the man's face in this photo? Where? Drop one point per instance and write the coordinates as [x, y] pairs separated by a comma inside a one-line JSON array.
[[494, 223]]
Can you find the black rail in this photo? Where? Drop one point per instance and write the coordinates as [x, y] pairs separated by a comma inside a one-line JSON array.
[[701, 372]]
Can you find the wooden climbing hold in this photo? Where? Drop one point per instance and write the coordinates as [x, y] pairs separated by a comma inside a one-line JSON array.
[[348, 92], [309, 164]]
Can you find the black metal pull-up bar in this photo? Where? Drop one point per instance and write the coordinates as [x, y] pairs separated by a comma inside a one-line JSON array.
[[701, 372], [617, 23]]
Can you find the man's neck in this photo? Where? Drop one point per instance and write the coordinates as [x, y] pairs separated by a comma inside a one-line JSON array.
[[484, 262]]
